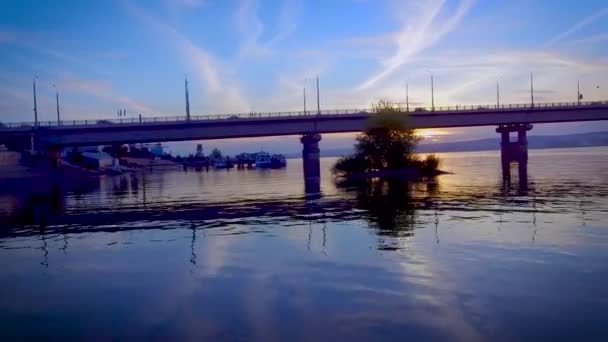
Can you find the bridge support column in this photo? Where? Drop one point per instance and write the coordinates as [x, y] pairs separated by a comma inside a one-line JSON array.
[[35, 147], [514, 151], [311, 163], [53, 157]]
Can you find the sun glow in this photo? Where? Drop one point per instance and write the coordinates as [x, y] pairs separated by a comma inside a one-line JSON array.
[[431, 134]]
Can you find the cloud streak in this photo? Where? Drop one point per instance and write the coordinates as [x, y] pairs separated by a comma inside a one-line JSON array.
[[104, 91], [578, 26], [417, 37], [207, 69], [598, 38], [249, 26]]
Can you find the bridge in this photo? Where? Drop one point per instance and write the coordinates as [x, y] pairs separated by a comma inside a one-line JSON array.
[[510, 118]]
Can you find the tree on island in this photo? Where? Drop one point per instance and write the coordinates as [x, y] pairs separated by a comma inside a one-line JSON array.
[[216, 154], [386, 148]]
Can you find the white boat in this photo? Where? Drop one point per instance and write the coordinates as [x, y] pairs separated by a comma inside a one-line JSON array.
[[263, 160]]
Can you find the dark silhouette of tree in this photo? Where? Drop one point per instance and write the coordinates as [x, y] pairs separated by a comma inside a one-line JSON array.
[[216, 154], [387, 144]]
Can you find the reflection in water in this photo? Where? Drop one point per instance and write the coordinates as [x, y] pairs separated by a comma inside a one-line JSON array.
[[65, 242], [436, 226], [44, 248], [40, 200], [312, 189], [522, 179], [248, 255], [39, 207], [391, 205], [193, 253]]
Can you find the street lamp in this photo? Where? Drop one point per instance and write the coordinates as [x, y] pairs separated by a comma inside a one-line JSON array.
[[407, 97], [432, 91], [318, 97], [187, 98], [532, 88], [318, 100], [57, 101], [35, 104], [304, 92], [497, 96], [306, 81]]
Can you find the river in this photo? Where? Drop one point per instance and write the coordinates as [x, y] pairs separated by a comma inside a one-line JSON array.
[[243, 254]]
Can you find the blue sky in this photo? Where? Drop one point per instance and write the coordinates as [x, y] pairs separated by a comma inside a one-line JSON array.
[[248, 55]]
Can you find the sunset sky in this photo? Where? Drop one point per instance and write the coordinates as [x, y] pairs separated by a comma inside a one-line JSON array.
[[248, 55]]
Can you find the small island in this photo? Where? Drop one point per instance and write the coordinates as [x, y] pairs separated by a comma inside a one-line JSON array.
[[386, 150]]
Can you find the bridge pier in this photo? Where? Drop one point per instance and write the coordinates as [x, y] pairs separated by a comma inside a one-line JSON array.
[[514, 151], [311, 162], [53, 157]]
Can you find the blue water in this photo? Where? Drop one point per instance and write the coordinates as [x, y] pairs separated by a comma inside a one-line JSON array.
[[244, 255]]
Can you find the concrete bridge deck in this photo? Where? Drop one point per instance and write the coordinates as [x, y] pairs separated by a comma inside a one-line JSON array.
[[51, 136], [177, 128]]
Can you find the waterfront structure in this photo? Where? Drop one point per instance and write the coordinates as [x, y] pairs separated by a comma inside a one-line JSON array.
[[99, 160]]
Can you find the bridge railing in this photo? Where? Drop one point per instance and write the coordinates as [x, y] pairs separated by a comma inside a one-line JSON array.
[[413, 110]]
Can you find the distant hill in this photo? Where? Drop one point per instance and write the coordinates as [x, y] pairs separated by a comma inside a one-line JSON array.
[[534, 142]]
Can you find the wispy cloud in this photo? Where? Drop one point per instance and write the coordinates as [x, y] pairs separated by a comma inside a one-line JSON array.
[[423, 33], [304, 78], [578, 26], [505, 58], [470, 77], [60, 73], [287, 20], [251, 28], [598, 38], [39, 44], [16, 101], [207, 69], [104, 91]]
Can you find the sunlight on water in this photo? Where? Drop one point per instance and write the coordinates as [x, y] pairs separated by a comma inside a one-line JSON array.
[[243, 254]]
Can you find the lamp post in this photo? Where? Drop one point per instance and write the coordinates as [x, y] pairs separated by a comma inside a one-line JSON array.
[[407, 98], [35, 102], [304, 93], [318, 99], [532, 89], [187, 99], [57, 102], [432, 91], [497, 96]]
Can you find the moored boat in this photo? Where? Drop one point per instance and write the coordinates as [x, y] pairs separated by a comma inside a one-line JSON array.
[[263, 160], [277, 161]]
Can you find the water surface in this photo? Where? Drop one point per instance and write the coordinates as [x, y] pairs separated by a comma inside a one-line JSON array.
[[241, 255]]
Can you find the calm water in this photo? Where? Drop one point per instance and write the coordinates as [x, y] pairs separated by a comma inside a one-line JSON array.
[[243, 255]]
